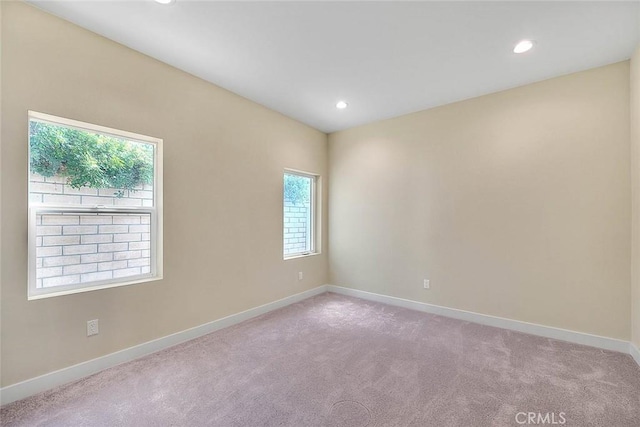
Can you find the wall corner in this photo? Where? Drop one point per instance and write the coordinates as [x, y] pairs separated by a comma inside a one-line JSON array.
[[635, 195]]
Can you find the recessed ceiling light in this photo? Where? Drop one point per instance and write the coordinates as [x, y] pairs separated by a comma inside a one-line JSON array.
[[523, 46], [164, 1], [341, 105]]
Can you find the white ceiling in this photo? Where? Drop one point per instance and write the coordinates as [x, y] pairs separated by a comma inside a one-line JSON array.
[[384, 58]]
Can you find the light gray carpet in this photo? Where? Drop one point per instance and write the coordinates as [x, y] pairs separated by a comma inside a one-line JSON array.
[[338, 361]]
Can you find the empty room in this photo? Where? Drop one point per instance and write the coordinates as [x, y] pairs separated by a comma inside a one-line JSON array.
[[319, 213]]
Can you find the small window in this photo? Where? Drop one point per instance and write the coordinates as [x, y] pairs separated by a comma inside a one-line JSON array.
[[95, 207], [299, 214]]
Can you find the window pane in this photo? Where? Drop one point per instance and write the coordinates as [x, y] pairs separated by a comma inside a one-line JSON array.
[[297, 214], [78, 167], [73, 248]]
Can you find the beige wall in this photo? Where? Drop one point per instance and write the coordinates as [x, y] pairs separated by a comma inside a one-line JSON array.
[[635, 185], [515, 204], [215, 143], [0, 194]]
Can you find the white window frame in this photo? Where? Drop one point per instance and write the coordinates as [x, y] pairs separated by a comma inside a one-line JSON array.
[[155, 212], [315, 214]]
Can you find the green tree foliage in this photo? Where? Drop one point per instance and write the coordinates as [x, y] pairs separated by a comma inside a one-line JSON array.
[[297, 189], [89, 159]]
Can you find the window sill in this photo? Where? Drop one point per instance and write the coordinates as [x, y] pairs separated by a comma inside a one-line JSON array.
[[287, 258], [133, 281]]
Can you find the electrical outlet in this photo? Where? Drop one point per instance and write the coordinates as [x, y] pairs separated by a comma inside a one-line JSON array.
[[426, 284], [92, 327], [300, 275]]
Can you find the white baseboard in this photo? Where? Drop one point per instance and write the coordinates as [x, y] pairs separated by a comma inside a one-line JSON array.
[[634, 352], [498, 322], [72, 373], [53, 379]]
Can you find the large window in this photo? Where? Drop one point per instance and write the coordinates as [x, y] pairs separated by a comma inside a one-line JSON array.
[[95, 207], [299, 214]]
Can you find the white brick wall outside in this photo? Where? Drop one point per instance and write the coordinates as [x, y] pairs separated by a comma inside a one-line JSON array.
[[82, 248], [296, 227], [55, 190], [81, 254]]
